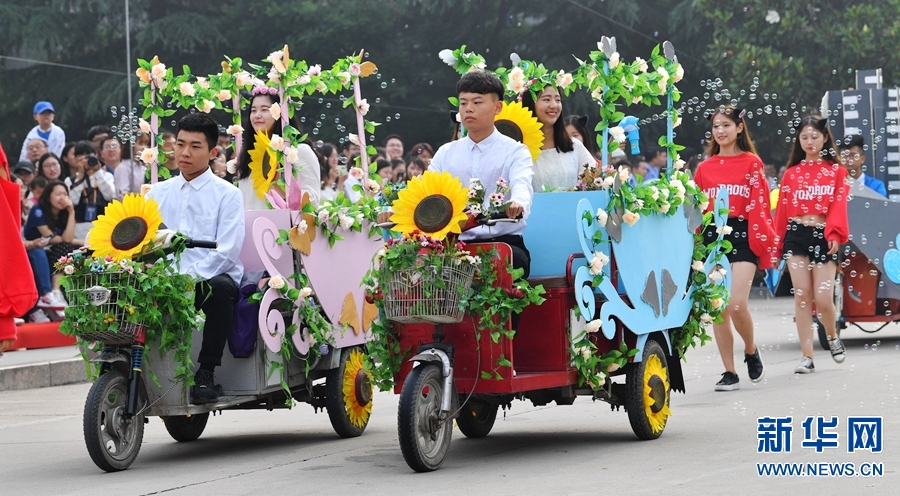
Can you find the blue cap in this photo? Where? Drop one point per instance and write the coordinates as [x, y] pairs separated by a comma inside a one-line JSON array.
[[42, 107]]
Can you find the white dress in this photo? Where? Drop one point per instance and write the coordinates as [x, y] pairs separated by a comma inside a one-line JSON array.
[[306, 170], [555, 170]]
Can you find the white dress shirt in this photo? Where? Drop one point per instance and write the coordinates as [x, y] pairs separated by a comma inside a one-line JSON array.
[[125, 173], [207, 208], [306, 169], [490, 159], [555, 170]]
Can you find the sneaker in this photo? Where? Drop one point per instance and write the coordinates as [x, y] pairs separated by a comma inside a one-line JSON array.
[[755, 366], [53, 301], [837, 349], [728, 382], [806, 366], [204, 391], [38, 317]]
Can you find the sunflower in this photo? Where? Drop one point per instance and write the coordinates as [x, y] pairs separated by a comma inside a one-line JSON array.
[[520, 124], [263, 164], [357, 389], [656, 393], [433, 203], [125, 227]]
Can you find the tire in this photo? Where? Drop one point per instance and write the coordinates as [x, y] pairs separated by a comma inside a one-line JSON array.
[[647, 392], [112, 442], [424, 439], [185, 429], [476, 419], [348, 394]]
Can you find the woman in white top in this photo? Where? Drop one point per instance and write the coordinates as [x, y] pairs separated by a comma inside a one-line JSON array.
[[306, 169], [562, 158]]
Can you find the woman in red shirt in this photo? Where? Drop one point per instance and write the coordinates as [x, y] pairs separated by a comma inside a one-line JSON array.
[[811, 216], [733, 163]]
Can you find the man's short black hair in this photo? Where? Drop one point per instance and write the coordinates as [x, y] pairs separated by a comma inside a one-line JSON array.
[[481, 82], [392, 136], [98, 129], [200, 122], [84, 148], [850, 141]]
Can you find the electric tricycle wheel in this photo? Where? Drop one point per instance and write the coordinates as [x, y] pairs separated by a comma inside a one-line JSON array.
[[112, 440], [647, 392], [476, 418], [424, 435], [348, 394], [184, 428]]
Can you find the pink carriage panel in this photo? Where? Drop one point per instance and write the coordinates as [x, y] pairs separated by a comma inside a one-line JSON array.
[[260, 252]]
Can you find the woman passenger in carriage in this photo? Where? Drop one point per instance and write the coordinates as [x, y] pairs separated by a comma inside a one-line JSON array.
[[306, 166], [733, 163], [562, 158]]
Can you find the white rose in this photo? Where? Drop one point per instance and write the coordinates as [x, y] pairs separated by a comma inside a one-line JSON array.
[[231, 166], [273, 75], [223, 95], [158, 71], [563, 79], [602, 216], [277, 282], [726, 230], [617, 133], [353, 139], [302, 226], [678, 165], [277, 143], [162, 84], [516, 86], [145, 126], [203, 82], [624, 174], [614, 60], [243, 78], [447, 57], [679, 73], [206, 106], [275, 110], [149, 155], [235, 129], [597, 94], [706, 318], [291, 154], [715, 276], [593, 326], [516, 74], [676, 122], [373, 186], [630, 217], [636, 100], [69, 269], [664, 80], [642, 64], [304, 80], [322, 216], [343, 77], [664, 208], [772, 17], [355, 69], [315, 70], [608, 181], [697, 265], [597, 263], [186, 89], [363, 106], [716, 303], [357, 173], [703, 205], [306, 292], [345, 221]]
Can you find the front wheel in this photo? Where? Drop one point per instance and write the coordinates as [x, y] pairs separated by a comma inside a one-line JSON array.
[[647, 392], [476, 419], [348, 394], [184, 428], [112, 440], [424, 436]]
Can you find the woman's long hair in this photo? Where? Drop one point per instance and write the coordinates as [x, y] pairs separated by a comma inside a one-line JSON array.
[[736, 114], [561, 139], [829, 147], [57, 221], [249, 136]]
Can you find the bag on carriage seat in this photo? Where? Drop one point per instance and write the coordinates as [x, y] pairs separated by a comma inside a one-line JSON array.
[[242, 339]]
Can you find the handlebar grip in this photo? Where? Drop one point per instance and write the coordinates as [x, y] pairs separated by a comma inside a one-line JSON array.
[[199, 243], [502, 216]]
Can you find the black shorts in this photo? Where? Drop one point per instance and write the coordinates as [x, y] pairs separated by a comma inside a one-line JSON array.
[[807, 241], [740, 242]]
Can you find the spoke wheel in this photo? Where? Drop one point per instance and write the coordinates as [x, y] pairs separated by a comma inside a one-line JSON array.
[[348, 394], [112, 440], [184, 429], [476, 419], [647, 392], [424, 438]]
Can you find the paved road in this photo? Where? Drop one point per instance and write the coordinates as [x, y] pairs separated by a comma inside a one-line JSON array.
[[709, 445]]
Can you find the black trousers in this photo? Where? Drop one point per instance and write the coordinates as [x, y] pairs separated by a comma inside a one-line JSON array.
[[216, 297]]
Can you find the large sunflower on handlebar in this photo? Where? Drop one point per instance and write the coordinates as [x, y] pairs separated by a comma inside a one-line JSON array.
[[125, 228], [433, 203]]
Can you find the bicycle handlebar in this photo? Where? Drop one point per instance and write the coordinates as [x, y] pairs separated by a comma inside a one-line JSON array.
[[199, 243]]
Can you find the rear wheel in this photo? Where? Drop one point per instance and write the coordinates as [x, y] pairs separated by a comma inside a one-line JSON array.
[[476, 419], [647, 392], [184, 428], [424, 436], [348, 394], [112, 440]]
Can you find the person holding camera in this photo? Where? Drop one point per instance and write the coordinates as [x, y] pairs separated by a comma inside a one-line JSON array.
[[91, 189]]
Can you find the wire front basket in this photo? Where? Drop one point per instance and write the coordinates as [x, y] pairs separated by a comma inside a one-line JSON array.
[[103, 296], [429, 293]]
